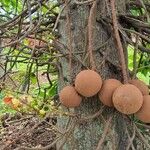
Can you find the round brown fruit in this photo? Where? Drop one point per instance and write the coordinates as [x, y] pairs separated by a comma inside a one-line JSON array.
[[107, 90], [69, 97], [144, 113], [127, 99], [140, 85], [88, 83]]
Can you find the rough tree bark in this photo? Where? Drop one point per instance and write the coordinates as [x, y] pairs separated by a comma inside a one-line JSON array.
[[1, 70], [86, 136]]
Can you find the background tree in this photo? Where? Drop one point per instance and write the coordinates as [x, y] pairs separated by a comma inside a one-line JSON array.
[[65, 37]]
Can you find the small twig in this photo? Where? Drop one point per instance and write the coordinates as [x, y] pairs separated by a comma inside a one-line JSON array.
[[131, 139], [1, 66], [135, 65], [54, 127], [92, 116], [146, 12], [58, 17], [141, 48], [15, 121], [75, 57], [137, 33], [84, 2], [142, 137], [106, 129], [143, 125], [42, 148]]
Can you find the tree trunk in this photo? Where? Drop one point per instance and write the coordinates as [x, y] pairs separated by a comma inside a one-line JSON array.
[[86, 135], [1, 61]]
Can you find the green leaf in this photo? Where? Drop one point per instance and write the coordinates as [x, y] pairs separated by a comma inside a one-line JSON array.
[[33, 78], [53, 90]]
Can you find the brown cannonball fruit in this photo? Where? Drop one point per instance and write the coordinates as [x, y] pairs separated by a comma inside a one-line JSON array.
[[88, 83], [140, 85], [107, 90], [69, 97], [127, 99], [144, 113]]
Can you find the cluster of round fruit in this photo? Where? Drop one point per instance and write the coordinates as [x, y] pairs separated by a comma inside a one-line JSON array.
[[131, 98]]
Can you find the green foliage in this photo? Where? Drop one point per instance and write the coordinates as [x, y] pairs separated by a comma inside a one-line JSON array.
[[46, 91], [143, 70], [11, 6]]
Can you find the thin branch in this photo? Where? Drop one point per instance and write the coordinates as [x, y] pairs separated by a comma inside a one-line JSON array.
[[118, 40], [106, 129], [131, 139], [135, 64], [84, 2], [143, 139], [91, 27]]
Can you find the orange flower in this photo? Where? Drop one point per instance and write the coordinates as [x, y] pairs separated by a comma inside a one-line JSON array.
[[7, 100]]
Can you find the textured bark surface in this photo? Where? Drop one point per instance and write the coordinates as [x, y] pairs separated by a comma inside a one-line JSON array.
[[1, 70], [87, 135]]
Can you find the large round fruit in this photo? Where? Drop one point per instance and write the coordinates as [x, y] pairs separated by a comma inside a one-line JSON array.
[[140, 85], [69, 97], [144, 113], [127, 99], [107, 90], [88, 83]]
